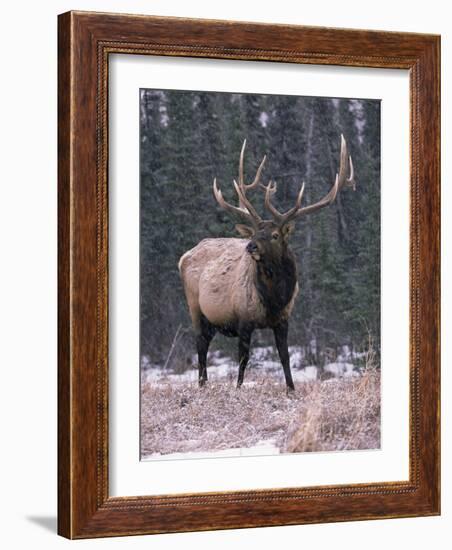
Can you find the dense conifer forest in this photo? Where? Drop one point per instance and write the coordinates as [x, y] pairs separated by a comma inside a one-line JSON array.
[[189, 138]]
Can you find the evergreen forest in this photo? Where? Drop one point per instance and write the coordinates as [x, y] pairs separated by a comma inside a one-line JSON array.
[[189, 138]]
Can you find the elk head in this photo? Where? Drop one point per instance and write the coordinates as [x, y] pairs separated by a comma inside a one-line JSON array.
[[269, 238]]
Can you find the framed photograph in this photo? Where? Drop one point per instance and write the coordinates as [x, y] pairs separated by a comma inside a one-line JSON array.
[[248, 275]]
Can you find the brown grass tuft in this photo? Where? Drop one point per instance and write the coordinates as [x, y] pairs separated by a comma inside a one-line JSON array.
[[330, 415], [338, 415]]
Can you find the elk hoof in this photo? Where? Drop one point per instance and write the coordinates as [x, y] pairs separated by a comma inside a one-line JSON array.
[[202, 382], [290, 391]]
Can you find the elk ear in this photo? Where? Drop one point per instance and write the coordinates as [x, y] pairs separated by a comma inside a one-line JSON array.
[[287, 229], [245, 230]]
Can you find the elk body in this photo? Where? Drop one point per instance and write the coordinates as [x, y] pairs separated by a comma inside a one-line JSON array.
[[236, 285]]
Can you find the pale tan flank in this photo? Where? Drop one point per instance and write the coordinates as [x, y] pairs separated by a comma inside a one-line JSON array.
[[219, 282]]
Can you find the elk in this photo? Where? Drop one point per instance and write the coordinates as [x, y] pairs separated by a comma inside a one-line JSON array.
[[236, 285]]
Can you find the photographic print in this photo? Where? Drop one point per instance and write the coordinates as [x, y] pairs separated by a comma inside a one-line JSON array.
[[277, 312], [259, 274]]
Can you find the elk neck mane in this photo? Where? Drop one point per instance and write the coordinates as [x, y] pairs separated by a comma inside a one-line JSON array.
[[275, 281]]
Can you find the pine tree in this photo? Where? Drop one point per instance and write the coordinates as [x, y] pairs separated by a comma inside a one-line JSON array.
[[189, 138]]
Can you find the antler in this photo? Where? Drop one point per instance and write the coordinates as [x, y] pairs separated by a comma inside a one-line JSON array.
[[246, 210], [277, 216], [243, 186], [249, 216], [296, 211]]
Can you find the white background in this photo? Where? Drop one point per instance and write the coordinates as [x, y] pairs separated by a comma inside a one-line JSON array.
[[128, 476], [28, 275]]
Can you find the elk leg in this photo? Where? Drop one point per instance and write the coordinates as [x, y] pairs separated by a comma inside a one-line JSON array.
[[280, 332], [244, 354], [202, 345]]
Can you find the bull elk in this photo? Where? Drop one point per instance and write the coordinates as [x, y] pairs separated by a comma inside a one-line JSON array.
[[235, 285]]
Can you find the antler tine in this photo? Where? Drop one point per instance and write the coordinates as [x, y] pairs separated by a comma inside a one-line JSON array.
[[244, 203], [351, 179], [342, 176], [278, 216], [245, 210], [271, 190], [341, 181], [242, 154], [256, 180], [246, 216], [258, 174]]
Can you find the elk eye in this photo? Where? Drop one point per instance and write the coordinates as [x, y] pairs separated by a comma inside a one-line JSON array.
[[275, 236]]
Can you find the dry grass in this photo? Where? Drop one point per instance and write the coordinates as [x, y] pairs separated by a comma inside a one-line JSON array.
[[330, 415]]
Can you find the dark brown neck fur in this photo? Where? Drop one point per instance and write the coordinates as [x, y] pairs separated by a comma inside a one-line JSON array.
[[275, 283]]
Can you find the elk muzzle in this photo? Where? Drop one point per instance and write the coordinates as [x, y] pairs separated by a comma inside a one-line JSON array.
[[253, 249]]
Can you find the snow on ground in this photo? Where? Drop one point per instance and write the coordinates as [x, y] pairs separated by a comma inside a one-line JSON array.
[[262, 359], [340, 369], [181, 420], [305, 375], [334, 407]]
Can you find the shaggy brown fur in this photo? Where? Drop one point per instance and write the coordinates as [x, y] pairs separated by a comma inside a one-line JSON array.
[[219, 278]]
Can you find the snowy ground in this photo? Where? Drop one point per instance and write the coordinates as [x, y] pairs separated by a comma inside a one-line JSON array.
[[336, 407], [263, 359]]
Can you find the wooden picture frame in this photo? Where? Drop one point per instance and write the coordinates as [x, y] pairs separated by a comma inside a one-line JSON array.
[[85, 42]]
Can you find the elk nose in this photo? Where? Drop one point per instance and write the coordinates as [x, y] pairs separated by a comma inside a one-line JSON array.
[[251, 247]]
